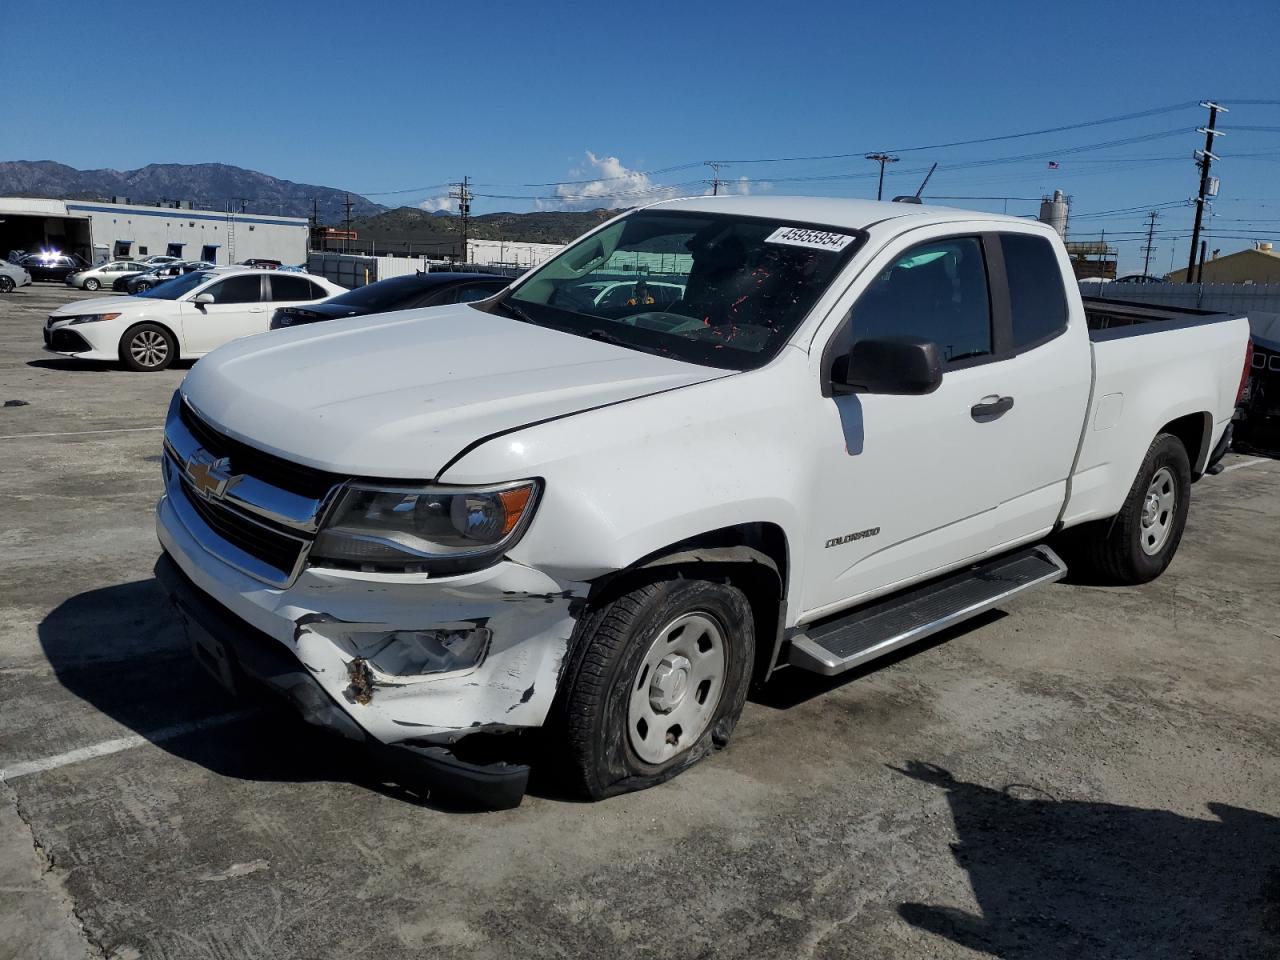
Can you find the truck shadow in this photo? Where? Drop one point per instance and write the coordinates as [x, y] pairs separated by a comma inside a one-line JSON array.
[[122, 650], [1071, 878]]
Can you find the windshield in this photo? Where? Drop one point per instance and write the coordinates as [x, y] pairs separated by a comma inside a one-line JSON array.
[[719, 290], [175, 288], [383, 295]]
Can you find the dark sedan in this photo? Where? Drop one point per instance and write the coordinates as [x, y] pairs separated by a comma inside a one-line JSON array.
[[396, 293], [51, 266]]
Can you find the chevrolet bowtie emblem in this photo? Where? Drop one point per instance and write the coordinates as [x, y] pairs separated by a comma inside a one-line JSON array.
[[209, 475]]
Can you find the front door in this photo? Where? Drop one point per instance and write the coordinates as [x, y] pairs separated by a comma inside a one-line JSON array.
[[237, 311], [906, 483]]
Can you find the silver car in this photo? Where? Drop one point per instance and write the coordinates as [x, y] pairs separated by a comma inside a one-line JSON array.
[[106, 274], [12, 276]]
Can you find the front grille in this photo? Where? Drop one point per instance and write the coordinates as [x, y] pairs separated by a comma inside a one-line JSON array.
[[67, 341], [277, 550], [293, 477]]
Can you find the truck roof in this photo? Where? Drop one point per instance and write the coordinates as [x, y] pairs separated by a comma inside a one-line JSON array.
[[836, 212]]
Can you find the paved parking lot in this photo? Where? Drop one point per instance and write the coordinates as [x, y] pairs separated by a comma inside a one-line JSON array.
[[1090, 772]]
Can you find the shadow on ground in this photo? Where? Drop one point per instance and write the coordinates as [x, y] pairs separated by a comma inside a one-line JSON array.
[[122, 649], [1069, 879]]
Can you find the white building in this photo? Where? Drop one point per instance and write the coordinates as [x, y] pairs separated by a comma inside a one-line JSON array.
[[98, 231]]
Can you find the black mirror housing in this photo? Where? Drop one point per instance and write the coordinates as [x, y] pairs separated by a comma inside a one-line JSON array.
[[894, 365]]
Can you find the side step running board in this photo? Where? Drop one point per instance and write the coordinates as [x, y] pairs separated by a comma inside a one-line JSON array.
[[884, 625]]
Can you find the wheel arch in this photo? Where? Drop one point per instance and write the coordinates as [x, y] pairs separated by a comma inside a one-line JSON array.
[[754, 557], [1195, 430]]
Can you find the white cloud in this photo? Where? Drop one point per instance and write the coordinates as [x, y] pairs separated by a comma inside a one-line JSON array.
[[617, 186], [432, 204]]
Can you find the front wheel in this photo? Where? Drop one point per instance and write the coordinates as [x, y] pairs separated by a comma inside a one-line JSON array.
[[657, 680], [147, 347], [91, 284], [6, 283], [1139, 542]]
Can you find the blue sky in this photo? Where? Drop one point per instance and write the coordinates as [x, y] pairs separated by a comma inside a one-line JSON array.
[[392, 100]]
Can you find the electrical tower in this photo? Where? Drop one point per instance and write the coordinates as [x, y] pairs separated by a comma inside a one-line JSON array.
[[462, 193], [1149, 247], [1204, 158], [882, 159], [347, 204], [715, 181]]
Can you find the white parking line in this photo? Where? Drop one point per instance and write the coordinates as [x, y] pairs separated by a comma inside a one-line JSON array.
[[108, 747], [80, 433], [1246, 463]]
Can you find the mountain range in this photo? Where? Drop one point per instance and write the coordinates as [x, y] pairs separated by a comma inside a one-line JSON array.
[[207, 185], [218, 185]]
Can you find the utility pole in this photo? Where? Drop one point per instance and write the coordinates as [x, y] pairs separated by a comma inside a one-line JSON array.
[[1204, 158], [462, 194], [882, 159], [347, 204], [715, 181], [1149, 247]]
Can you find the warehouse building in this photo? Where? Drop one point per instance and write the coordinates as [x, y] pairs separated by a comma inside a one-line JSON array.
[[1258, 265], [99, 230]]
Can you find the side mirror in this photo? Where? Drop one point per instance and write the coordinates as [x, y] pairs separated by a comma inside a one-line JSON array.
[[894, 365], [202, 298]]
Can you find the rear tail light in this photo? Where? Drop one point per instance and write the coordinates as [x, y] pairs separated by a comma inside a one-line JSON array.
[[1244, 376]]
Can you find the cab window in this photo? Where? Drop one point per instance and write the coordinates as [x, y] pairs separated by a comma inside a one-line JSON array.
[[1037, 300], [936, 291]]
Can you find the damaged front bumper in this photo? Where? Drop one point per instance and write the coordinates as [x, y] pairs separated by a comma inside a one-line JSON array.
[[324, 621]]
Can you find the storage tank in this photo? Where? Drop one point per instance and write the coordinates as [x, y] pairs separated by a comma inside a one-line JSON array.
[[1053, 211]]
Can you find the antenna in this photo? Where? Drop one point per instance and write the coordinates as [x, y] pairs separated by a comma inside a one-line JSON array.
[[915, 197]]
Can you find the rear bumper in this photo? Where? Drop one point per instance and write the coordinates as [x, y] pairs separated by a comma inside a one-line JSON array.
[[255, 657]]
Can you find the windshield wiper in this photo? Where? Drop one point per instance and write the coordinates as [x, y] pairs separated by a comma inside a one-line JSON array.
[[604, 336], [516, 312]]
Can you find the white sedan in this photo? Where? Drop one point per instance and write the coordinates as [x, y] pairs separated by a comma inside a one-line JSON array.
[[185, 317]]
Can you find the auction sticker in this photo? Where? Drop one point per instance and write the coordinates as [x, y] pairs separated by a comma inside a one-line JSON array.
[[813, 239]]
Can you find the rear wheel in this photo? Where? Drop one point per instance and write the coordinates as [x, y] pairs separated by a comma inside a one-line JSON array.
[[147, 347], [91, 284], [6, 283], [1139, 542], [657, 681]]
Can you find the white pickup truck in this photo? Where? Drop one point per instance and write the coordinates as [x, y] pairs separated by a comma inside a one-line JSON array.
[[855, 425]]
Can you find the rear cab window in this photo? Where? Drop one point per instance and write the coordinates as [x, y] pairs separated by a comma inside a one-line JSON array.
[[1037, 300]]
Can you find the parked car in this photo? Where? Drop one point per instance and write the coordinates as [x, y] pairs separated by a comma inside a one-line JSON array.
[[395, 293], [261, 264], [137, 282], [855, 428], [51, 266], [1140, 278], [156, 259], [105, 275], [12, 276], [185, 317]]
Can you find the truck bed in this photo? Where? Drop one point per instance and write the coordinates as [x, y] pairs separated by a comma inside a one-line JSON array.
[[1111, 319]]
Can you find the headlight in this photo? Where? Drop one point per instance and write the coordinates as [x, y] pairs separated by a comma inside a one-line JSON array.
[[431, 529], [93, 318]]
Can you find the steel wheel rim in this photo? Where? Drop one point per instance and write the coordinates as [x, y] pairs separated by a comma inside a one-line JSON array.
[[1158, 508], [148, 348], [677, 688]]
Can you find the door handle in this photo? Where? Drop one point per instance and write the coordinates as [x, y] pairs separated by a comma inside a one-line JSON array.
[[991, 408], [257, 309]]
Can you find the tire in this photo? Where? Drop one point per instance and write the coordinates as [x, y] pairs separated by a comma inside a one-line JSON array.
[[6, 283], [1138, 544], [91, 284], [148, 347], [623, 682]]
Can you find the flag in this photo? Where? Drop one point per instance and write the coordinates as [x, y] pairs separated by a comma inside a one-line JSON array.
[[1053, 164]]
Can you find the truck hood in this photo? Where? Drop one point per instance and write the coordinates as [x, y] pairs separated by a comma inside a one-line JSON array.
[[399, 395]]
